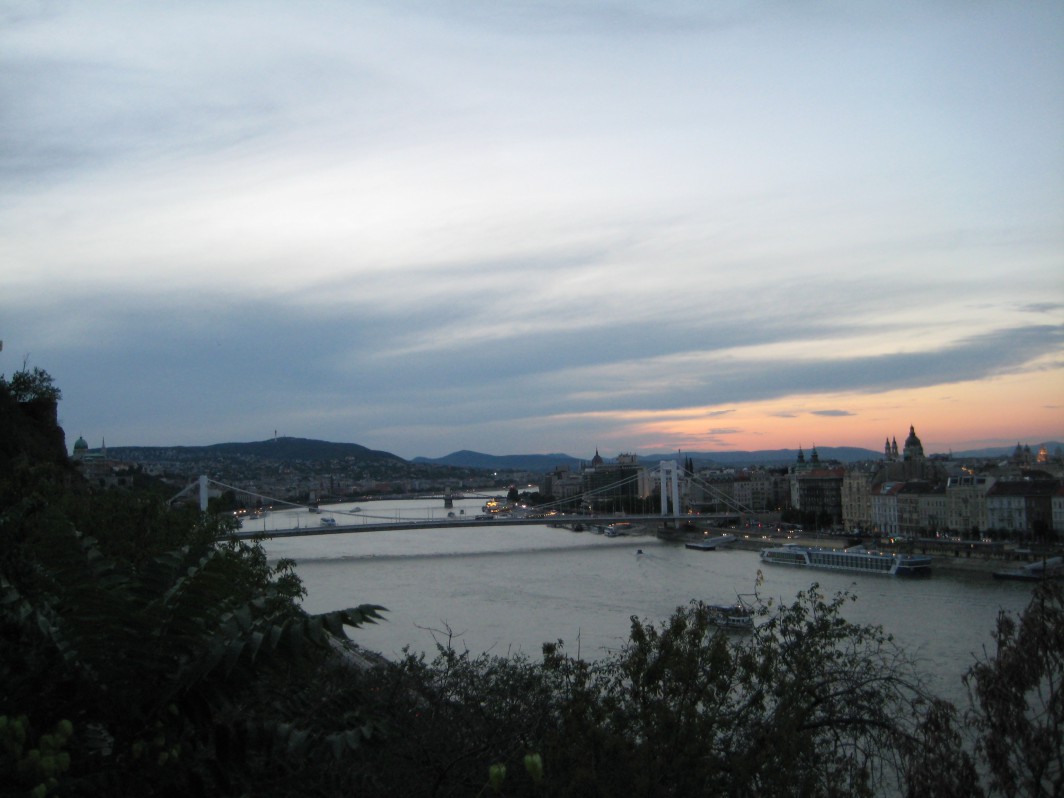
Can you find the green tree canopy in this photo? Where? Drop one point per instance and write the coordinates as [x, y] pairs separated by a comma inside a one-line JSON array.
[[28, 385]]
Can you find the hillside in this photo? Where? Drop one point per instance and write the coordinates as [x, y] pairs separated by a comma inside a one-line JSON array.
[[316, 452], [286, 450], [508, 462], [547, 462], [764, 457], [768, 457]]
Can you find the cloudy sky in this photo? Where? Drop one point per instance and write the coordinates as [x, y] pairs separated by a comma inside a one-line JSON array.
[[523, 227]]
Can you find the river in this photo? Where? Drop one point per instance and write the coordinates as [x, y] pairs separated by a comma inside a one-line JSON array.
[[508, 589]]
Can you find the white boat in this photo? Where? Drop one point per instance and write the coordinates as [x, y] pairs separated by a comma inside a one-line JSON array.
[[328, 520], [855, 558], [710, 544], [1051, 568], [738, 616]]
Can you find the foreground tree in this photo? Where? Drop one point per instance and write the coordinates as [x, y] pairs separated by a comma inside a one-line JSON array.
[[159, 673], [28, 385], [810, 705], [1018, 699]]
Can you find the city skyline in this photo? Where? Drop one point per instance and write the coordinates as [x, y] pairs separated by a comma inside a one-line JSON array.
[[538, 228], [799, 450]]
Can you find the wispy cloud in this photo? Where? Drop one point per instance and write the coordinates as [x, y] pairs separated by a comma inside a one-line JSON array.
[[551, 223]]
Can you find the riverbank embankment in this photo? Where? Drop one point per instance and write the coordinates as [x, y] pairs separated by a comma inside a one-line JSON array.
[[948, 556]]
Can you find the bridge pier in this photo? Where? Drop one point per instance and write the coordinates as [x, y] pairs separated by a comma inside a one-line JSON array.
[[670, 477]]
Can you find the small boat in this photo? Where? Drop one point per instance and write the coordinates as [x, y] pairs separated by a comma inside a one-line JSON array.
[[710, 544], [314, 509], [1051, 568], [328, 520], [855, 558], [738, 616]]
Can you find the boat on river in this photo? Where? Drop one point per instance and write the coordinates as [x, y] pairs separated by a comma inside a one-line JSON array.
[[855, 558], [738, 616], [328, 520], [1050, 568], [710, 544]]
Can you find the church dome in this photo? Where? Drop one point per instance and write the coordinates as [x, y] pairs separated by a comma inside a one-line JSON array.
[[914, 450], [80, 448]]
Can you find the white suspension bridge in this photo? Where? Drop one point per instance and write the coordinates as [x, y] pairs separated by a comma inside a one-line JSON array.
[[558, 512]]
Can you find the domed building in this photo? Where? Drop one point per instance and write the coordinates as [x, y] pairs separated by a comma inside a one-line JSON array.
[[908, 463], [914, 450], [82, 454]]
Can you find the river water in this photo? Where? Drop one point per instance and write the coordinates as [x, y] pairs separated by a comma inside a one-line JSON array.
[[508, 589]]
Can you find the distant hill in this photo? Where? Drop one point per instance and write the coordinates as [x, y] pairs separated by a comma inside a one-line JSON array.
[[547, 462], [1006, 451], [307, 450], [509, 462], [766, 457], [278, 449]]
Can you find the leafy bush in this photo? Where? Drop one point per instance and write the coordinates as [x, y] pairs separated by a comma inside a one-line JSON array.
[[172, 664]]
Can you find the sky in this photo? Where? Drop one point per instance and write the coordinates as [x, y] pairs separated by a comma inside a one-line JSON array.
[[537, 227]]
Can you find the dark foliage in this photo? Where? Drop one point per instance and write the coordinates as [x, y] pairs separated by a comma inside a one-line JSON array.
[[1019, 699], [165, 650], [28, 385], [810, 705]]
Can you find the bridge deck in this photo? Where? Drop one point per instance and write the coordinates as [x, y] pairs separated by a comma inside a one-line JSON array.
[[428, 523]]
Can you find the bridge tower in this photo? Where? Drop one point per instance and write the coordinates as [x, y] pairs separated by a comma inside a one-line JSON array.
[[670, 477]]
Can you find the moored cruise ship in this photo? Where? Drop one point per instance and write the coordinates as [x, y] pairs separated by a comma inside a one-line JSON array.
[[856, 558]]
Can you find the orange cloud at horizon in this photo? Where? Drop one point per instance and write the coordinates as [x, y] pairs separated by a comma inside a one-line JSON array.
[[1026, 408]]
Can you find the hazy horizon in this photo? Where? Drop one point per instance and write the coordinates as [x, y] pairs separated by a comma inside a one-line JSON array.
[[608, 456]]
